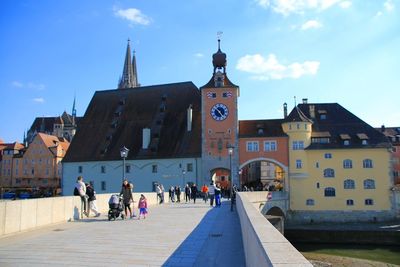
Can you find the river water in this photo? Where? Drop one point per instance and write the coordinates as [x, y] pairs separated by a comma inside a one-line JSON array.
[[388, 254]]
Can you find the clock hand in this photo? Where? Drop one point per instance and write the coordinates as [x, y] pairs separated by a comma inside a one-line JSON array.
[[219, 112]]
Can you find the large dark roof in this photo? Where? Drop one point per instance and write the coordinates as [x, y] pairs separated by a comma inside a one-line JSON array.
[[48, 123], [393, 133], [116, 118], [261, 128], [338, 124]]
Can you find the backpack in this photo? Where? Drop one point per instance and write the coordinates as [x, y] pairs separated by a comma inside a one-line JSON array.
[[76, 192]]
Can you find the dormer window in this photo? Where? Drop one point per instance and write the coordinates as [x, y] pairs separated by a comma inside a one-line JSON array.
[[364, 142], [346, 142], [323, 117]]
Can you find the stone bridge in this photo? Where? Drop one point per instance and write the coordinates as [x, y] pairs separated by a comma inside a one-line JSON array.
[[47, 232]]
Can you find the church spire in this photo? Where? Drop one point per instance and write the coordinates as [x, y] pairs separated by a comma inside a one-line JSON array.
[[135, 75], [73, 112], [129, 77]]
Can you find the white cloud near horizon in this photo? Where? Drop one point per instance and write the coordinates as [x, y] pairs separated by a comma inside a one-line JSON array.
[[287, 7], [39, 100], [199, 55], [311, 24], [271, 69], [133, 15]]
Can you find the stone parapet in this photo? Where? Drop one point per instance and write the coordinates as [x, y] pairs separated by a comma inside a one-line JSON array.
[[263, 244], [28, 214]]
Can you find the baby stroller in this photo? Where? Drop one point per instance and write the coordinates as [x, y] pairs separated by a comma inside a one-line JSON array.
[[116, 206]]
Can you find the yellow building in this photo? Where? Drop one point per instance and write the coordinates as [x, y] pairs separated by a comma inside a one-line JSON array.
[[339, 166]]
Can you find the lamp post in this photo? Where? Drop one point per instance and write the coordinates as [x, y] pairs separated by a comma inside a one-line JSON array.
[[124, 154], [230, 151]]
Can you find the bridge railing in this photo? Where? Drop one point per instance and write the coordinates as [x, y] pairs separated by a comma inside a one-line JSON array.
[[263, 244], [28, 214]]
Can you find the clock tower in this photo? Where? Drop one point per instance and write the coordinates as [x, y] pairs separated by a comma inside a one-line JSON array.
[[219, 109]]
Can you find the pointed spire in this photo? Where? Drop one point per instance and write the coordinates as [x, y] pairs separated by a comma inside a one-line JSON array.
[[73, 112], [129, 78], [135, 75], [42, 126]]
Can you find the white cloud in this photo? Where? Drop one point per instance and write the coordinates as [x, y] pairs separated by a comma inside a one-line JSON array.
[[388, 5], [270, 69], [345, 4], [311, 24], [17, 84], [38, 100], [133, 15], [29, 85], [199, 55], [287, 7]]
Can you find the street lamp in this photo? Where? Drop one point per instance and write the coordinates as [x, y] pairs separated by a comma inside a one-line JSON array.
[[124, 154], [230, 151]]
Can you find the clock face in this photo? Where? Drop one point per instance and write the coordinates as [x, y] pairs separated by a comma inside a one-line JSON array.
[[219, 112]]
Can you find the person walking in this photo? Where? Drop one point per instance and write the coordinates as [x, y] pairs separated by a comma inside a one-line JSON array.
[[217, 196], [142, 206], [178, 193], [158, 191], [92, 199], [81, 188], [187, 193], [194, 192], [172, 194], [204, 190], [211, 193], [127, 196], [162, 192]]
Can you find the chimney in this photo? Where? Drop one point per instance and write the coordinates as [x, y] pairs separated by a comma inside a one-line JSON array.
[[383, 128], [312, 111], [146, 138], [189, 118], [305, 100], [285, 110]]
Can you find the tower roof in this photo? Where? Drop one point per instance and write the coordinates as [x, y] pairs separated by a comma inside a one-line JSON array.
[[129, 78], [219, 58]]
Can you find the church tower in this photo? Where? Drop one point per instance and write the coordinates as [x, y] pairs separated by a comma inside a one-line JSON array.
[[129, 74], [219, 111]]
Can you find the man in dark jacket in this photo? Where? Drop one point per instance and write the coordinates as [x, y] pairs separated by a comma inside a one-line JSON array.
[[194, 192], [92, 199]]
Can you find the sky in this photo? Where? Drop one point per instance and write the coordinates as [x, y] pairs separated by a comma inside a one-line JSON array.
[[329, 51]]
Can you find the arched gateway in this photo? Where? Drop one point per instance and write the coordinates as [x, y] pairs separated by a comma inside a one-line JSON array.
[[263, 173]]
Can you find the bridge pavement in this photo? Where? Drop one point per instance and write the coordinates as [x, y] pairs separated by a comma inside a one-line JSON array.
[[173, 234]]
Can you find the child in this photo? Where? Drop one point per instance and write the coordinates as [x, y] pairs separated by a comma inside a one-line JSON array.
[[142, 206]]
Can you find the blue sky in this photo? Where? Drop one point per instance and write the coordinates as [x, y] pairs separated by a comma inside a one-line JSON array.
[[324, 50]]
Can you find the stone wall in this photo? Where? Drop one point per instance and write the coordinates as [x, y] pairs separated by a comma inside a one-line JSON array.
[[28, 214], [306, 217], [263, 244]]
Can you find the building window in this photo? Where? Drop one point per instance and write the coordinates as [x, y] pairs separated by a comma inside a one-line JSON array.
[[298, 145], [299, 164], [310, 202], [47, 171], [17, 181], [154, 169], [369, 202], [33, 171], [189, 167], [103, 169], [128, 168], [347, 164], [317, 165], [80, 169], [367, 163], [369, 184], [320, 140], [16, 171], [329, 173], [252, 146], [350, 202], [317, 185], [349, 184], [364, 142], [103, 185], [328, 155], [270, 146], [330, 192]]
